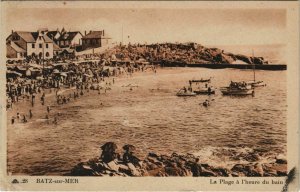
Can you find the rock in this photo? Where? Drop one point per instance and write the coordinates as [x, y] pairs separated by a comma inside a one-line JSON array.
[[281, 173], [224, 59], [280, 169], [207, 173], [152, 155], [244, 58], [82, 170], [172, 171], [133, 170], [156, 172], [234, 174], [281, 161], [152, 160], [113, 166], [221, 172], [259, 169]]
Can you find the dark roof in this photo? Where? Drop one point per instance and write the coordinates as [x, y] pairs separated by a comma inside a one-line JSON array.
[[51, 34], [27, 36], [95, 35], [30, 37], [69, 35]]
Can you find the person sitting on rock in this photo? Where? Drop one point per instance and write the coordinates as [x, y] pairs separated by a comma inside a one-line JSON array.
[[196, 168], [109, 152]]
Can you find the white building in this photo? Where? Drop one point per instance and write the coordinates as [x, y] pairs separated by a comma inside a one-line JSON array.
[[33, 44]]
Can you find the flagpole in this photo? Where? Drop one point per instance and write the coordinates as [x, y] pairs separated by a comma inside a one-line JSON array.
[[253, 65], [122, 34]]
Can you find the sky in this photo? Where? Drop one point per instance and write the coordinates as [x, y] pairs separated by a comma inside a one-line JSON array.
[[205, 26]]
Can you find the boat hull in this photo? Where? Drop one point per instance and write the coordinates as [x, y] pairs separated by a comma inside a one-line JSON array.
[[237, 91], [204, 92], [185, 95]]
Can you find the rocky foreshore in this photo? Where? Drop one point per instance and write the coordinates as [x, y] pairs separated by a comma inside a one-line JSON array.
[[173, 165]]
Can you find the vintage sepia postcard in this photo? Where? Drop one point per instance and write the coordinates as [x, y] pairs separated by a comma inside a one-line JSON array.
[[149, 96]]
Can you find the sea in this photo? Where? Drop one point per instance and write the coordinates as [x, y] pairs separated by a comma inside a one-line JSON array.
[[143, 110]]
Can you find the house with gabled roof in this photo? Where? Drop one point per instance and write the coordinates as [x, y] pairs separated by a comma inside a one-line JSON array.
[[95, 39], [69, 39], [54, 35], [33, 44]]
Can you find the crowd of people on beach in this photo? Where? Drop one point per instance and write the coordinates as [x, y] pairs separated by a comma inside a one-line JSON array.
[[97, 73]]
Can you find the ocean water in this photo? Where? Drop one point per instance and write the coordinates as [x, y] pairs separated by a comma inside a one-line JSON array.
[[152, 118]]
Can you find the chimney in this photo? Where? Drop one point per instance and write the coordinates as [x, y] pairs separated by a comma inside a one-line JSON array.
[[84, 32], [103, 32], [12, 31]]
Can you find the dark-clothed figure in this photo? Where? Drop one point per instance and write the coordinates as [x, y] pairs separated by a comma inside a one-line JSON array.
[[196, 168]]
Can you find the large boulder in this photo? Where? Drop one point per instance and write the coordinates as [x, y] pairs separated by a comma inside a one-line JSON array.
[[244, 58]]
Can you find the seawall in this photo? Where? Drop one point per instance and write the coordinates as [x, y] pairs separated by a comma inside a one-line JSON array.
[[223, 66]]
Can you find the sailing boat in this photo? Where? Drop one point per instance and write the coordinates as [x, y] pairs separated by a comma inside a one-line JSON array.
[[255, 83]]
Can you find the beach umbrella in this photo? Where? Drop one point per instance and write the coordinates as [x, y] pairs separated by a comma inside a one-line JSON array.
[[129, 147], [109, 146], [56, 71], [87, 75], [39, 78], [14, 73], [63, 74]]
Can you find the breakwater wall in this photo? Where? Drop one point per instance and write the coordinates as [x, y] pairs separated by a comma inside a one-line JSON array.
[[223, 66]]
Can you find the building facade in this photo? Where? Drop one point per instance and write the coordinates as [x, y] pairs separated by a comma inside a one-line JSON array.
[[69, 39], [29, 44], [95, 39]]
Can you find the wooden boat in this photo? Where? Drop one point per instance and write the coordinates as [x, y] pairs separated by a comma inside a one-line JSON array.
[[237, 88], [200, 81], [256, 83], [205, 91], [185, 93]]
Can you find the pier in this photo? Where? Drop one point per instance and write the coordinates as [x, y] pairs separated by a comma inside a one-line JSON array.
[[223, 66]]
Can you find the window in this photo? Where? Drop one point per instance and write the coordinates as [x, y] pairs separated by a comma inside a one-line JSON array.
[[40, 55], [66, 43], [47, 54], [40, 38], [47, 45], [33, 45], [40, 45]]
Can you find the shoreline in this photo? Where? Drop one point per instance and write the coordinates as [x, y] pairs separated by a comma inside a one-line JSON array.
[[117, 88]]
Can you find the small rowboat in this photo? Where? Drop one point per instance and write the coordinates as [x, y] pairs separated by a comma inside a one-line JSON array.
[[256, 83], [200, 81], [183, 93]]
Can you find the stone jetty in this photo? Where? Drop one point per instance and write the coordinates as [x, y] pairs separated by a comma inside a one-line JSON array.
[[111, 164]]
